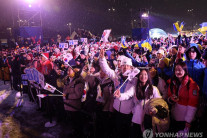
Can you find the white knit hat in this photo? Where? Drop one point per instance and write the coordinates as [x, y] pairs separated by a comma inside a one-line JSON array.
[[126, 61], [121, 57], [161, 51]]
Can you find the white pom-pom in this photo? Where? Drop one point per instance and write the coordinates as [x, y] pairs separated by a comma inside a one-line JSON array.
[[18, 95]]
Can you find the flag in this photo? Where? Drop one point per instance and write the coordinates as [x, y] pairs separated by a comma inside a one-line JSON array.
[[203, 27], [176, 27], [140, 44], [181, 26], [136, 46], [123, 41], [134, 72], [201, 31], [147, 44], [50, 88], [105, 35]]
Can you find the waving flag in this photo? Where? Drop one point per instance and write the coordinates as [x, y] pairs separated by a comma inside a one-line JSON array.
[[147, 44], [181, 26], [134, 72], [176, 27], [140, 43], [201, 31], [50, 88], [123, 41], [136, 45], [130, 74], [105, 35], [203, 27]]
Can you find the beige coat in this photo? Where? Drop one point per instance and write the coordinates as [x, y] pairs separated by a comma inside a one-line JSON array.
[[75, 91], [107, 90]]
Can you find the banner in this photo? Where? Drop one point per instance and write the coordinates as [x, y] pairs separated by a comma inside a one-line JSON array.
[[84, 40], [35, 75], [29, 74], [24, 79], [75, 42], [71, 42], [63, 45], [66, 45], [41, 79]]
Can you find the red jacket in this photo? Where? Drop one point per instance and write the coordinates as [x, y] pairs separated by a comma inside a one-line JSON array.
[[188, 94], [46, 67]]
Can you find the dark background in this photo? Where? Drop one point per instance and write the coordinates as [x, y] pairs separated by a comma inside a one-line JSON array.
[[94, 15]]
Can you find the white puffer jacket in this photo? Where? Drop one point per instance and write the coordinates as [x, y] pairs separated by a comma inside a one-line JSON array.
[[124, 104], [138, 110], [162, 87]]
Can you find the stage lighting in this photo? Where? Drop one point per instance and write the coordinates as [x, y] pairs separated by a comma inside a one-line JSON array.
[[145, 15]]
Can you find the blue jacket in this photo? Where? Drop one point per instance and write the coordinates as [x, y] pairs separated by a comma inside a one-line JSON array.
[[195, 71], [205, 83], [166, 73], [136, 63]]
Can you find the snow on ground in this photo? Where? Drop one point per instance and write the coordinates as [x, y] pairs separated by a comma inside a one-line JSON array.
[[25, 120]]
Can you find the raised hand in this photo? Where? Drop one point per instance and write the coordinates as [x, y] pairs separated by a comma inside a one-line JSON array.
[[117, 93], [102, 52]]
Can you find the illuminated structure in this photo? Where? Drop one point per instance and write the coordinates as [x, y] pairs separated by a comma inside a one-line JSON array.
[[29, 13], [140, 18], [157, 33]]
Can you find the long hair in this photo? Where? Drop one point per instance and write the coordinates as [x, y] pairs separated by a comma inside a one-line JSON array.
[[140, 92], [155, 79], [175, 79]]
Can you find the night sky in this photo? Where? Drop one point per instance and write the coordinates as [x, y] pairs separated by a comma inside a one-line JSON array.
[[94, 15]]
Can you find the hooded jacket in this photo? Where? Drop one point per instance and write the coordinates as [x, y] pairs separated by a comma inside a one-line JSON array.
[[195, 67]]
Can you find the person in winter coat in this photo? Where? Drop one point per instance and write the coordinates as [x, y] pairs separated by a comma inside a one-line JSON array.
[[164, 70], [73, 91], [204, 90], [99, 99], [183, 95], [136, 63], [182, 44], [195, 66], [158, 82], [123, 97], [46, 65], [144, 92], [55, 105]]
